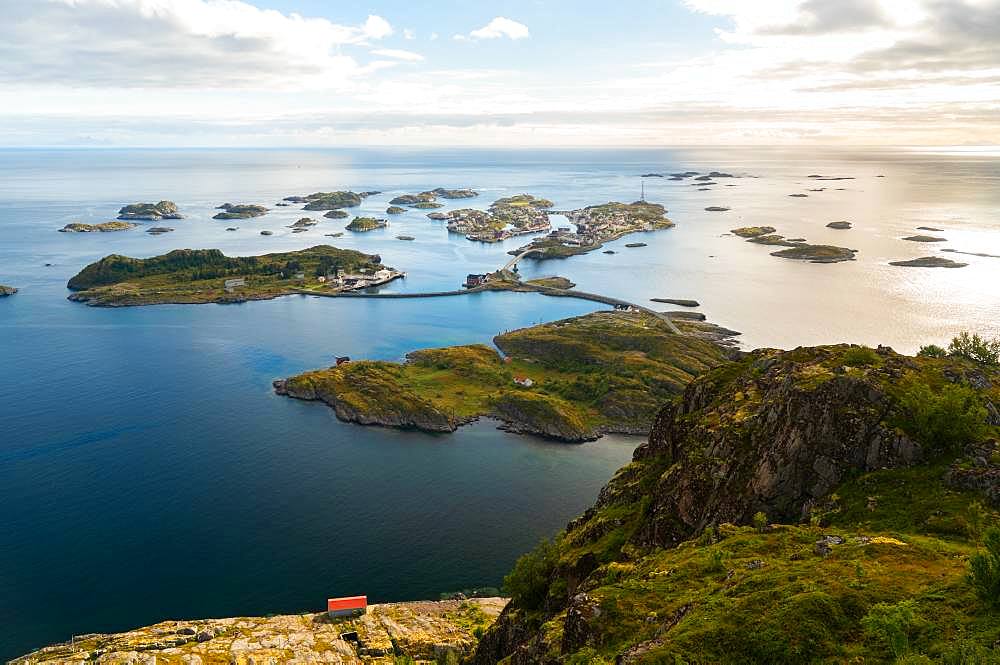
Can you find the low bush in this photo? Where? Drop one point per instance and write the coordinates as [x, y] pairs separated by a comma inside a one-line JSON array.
[[932, 351], [946, 419], [528, 582], [984, 569], [975, 348], [891, 624]]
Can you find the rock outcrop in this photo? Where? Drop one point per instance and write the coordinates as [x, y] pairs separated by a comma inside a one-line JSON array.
[[386, 634], [797, 438]]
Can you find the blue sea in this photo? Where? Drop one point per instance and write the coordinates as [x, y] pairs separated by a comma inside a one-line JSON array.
[[148, 471]]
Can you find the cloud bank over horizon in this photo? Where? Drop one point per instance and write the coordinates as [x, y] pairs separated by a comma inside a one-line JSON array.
[[229, 72]]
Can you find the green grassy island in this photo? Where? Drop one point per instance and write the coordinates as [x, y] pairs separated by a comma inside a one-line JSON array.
[[329, 200], [207, 276], [834, 504], [363, 224], [569, 380], [240, 211]]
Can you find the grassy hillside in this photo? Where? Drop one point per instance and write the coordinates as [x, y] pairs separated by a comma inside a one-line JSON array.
[[817, 505], [607, 371]]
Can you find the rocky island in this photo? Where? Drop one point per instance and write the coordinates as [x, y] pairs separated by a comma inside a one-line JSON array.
[[929, 262], [816, 253], [150, 212], [394, 210], [103, 227], [840, 226], [570, 380], [7, 291], [239, 211], [364, 224], [507, 217], [208, 276], [796, 248], [925, 238], [329, 200], [596, 225], [336, 214]]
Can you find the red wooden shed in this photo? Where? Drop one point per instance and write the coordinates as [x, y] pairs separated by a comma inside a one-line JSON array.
[[350, 605]]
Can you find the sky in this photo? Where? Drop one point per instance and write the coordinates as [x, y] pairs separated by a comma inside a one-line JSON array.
[[499, 72]]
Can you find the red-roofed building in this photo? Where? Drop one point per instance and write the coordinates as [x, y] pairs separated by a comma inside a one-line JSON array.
[[349, 606]]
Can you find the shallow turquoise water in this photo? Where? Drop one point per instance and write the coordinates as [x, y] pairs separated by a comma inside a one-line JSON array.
[[148, 471]]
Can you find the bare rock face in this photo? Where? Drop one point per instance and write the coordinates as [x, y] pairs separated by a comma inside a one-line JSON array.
[[420, 631], [775, 440]]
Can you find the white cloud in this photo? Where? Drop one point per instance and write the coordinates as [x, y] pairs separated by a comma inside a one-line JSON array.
[[398, 54], [500, 27], [175, 43], [409, 33]]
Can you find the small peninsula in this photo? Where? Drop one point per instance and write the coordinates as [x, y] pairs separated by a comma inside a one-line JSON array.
[[150, 212], [191, 276], [240, 211], [570, 380], [103, 227]]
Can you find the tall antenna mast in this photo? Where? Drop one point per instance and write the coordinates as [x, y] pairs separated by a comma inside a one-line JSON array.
[[643, 182]]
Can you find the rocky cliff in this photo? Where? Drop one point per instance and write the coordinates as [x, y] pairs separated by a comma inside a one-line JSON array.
[[777, 504]]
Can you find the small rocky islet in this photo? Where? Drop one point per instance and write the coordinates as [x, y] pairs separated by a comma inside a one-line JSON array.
[[929, 262], [839, 226], [103, 227], [6, 291], [149, 212], [337, 213], [365, 224], [796, 249], [240, 211], [925, 238]]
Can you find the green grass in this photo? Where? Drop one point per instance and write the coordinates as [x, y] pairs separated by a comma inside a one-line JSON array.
[[603, 371]]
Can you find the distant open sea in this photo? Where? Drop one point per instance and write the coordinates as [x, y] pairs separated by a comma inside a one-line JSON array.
[[148, 472]]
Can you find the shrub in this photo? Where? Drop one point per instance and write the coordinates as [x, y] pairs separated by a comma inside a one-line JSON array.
[[932, 351], [760, 522], [528, 582], [859, 356], [984, 569], [947, 419], [891, 625], [976, 348]]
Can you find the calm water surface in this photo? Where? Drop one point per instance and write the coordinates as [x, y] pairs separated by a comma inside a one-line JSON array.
[[148, 472]]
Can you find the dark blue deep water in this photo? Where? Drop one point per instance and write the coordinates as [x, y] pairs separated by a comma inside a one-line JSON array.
[[148, 472]]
